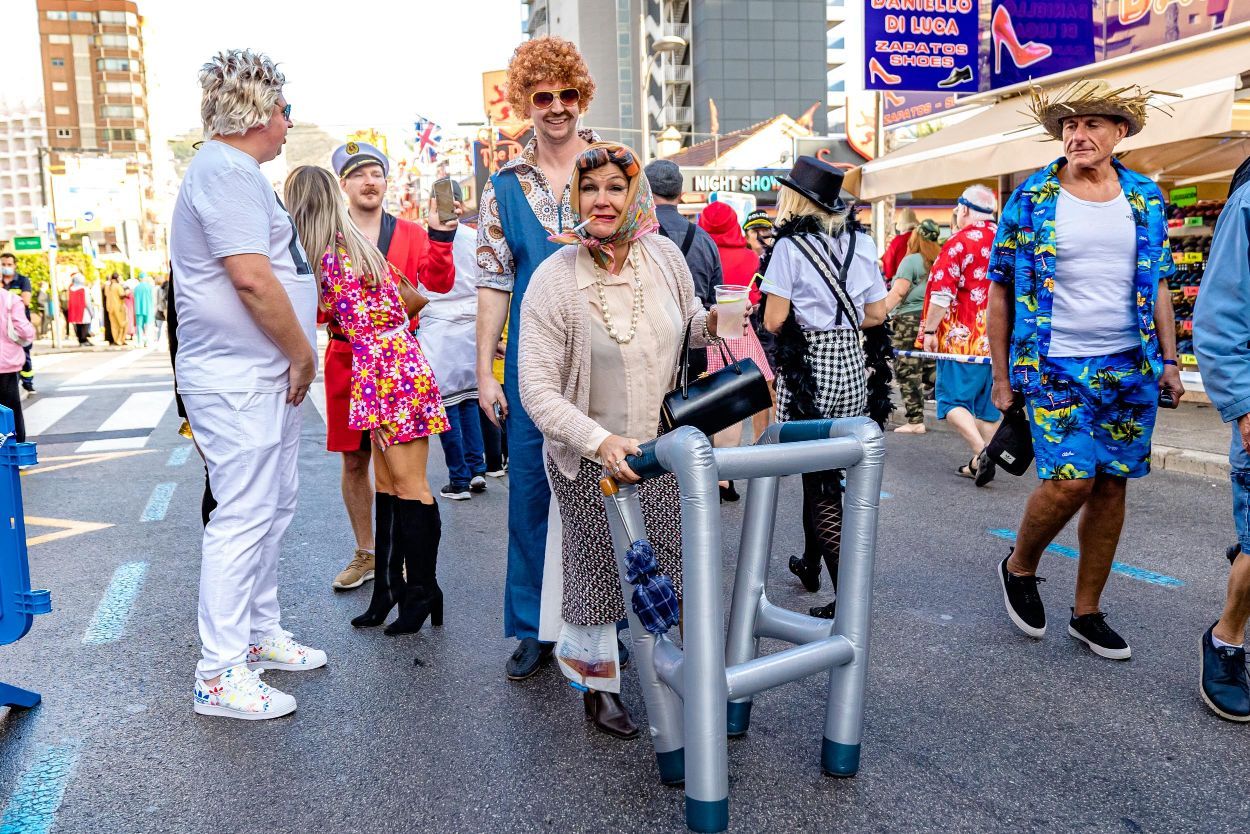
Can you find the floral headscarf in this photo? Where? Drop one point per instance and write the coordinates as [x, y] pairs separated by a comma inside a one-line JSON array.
[[637, 218]]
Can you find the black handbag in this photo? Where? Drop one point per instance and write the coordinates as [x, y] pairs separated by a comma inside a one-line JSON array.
[[718, 400], [1011, 447]]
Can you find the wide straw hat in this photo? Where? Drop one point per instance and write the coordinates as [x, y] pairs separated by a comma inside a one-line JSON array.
[[1093, 97]]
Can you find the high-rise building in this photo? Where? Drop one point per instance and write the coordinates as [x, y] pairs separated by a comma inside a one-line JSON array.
[[95, 88], [21, 187], [750, 61], [95, 85]]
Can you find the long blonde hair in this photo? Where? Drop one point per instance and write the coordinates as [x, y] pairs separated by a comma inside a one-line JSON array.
[[791, 204], [316, 205]]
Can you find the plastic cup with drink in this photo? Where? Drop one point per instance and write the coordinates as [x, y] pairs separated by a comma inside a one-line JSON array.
[[732, 303]]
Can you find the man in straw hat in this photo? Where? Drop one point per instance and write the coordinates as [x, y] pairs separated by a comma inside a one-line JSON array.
[[1081, 327], [1221, 334]]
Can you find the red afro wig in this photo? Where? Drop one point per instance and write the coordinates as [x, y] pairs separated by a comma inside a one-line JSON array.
[[547, 59]]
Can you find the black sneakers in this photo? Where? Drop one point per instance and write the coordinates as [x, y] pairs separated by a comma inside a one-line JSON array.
[[1223, 683], [1093, 631], [1024, 603]]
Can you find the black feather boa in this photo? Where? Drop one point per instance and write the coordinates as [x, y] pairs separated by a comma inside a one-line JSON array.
[[789, 351]]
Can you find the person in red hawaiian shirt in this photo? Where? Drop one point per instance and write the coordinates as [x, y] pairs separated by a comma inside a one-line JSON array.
[[954, 323]]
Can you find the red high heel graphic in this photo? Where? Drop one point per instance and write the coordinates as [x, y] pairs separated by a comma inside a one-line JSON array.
[[1005, 36], [894, 99], [875, 71]]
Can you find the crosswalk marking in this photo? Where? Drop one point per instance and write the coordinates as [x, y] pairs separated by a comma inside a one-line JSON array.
[[45, 411], [104, 369], [166, 382], [43, 361], [143, 410]]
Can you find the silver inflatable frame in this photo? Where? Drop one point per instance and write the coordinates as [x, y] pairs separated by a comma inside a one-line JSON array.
[[697, 696]]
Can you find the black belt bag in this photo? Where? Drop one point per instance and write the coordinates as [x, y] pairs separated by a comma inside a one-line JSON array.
[[714, 402]]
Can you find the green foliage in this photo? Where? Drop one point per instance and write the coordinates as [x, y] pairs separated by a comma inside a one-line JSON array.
[[34, 265], [80, 260], [120, 267]]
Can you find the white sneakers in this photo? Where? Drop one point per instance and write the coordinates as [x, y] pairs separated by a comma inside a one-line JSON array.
[[240, 693], [280, 651]]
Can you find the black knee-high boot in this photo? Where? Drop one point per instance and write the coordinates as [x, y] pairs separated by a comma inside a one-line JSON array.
[[807, 566], [417, 531], [382, 601]]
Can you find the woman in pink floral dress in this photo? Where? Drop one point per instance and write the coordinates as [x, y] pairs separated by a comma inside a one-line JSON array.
[[393, 392]]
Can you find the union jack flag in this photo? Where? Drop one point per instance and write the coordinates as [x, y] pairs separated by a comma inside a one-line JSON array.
[[429, 137]]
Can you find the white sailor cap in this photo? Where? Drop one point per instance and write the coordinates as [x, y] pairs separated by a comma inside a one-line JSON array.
[[349, 157]]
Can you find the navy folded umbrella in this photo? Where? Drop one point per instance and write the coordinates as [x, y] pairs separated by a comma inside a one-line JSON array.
[[654, 599]]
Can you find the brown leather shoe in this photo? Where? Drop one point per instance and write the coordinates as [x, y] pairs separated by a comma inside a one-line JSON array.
[[609, 714]]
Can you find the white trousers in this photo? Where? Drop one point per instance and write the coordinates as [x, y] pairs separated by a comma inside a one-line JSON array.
[[250, 442]]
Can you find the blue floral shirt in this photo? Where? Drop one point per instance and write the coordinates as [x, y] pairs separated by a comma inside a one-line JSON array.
[[1023, 257]]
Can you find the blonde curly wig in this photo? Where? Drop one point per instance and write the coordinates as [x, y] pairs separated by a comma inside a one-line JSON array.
[[240, 88], [548, 58]]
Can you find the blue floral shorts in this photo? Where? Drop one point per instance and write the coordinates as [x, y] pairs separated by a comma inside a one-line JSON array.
[[1094, 416]]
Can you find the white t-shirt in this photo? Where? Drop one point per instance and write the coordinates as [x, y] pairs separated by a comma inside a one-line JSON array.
[[790, 275], [226, 207], [1095, 298]]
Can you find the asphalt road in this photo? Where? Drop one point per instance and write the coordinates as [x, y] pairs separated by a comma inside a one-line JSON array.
[[970, 726]]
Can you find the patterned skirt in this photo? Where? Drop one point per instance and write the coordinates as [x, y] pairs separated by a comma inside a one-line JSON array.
[[746, 347], [394, 396], [837, 362], [592, 585]]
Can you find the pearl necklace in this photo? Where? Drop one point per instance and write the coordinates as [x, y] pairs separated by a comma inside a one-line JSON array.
[[636, 310]]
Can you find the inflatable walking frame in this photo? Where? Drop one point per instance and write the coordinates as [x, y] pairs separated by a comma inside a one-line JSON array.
[[697, 696]]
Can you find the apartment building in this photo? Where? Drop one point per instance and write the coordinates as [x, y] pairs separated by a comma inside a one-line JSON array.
[[21, 194]]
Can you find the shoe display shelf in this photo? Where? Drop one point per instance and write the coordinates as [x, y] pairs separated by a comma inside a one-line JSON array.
[[1190, 228]]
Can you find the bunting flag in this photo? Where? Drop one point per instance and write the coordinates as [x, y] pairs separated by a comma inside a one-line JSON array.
[[429, 137]]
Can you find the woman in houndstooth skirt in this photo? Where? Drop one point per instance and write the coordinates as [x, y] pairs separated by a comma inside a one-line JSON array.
[[823, 286]]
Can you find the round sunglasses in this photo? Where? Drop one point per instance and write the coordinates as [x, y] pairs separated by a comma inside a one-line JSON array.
[[542, 99]]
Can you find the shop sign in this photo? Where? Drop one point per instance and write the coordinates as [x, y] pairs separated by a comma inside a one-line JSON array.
[[27, 244], [1134, 25], [908, 106], [761, 183], [832, 149], [1035, 38], [924, 45], [1184, 197], [489, 157]]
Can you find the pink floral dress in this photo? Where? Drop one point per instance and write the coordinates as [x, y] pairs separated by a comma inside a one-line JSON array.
[[393, 392]]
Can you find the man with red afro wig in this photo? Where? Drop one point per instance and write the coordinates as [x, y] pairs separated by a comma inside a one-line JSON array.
[[523, 204]]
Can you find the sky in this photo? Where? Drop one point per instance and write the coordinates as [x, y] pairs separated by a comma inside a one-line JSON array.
[[349, 64]]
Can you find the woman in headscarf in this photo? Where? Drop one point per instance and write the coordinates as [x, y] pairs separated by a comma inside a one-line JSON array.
[[739, 266], [823, 286], [602, 327], [78, 312], [115, 294]]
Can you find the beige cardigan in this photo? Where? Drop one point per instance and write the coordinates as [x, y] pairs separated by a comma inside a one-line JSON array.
[[554, 353]]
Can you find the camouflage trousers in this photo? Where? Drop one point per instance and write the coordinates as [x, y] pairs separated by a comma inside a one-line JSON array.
[[913, 375]]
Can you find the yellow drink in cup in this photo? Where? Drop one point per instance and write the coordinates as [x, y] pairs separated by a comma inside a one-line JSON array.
[[732, 302]]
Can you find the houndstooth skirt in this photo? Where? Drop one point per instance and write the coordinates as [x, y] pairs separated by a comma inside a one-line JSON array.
[[837, 361], [592, 585]]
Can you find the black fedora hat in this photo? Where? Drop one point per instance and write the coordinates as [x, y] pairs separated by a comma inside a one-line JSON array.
[[818, 181]]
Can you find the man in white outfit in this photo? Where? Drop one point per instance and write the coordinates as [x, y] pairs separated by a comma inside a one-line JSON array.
[[246, 307]]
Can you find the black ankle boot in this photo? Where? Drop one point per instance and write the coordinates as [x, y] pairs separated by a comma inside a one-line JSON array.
[[808, 571], [382, 601], [418, 529]]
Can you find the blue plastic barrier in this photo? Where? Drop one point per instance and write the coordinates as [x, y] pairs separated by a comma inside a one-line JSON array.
[[18, 603]]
